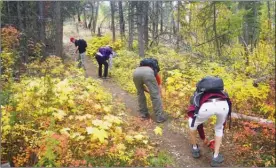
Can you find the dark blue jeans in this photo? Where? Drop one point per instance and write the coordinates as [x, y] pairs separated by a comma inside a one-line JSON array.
[[102, 61]]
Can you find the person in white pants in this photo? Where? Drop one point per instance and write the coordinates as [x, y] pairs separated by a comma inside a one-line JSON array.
[[211, 104]]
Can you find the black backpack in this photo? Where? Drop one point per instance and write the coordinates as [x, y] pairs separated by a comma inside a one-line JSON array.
[[83, 42], [151, 62], [209, 84]]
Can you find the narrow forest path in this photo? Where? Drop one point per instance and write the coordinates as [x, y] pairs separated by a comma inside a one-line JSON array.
[[176, 143]]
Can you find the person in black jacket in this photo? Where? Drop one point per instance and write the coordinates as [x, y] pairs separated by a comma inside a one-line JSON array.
[[81, 48]]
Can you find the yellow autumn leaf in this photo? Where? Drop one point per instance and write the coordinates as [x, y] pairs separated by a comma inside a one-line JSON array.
[[64, 131], [129, 139], [113, 119], [121, 147], [99, 134], [75, 134], [107, 109], [80, 138], [158, 130], [59, 114], [71, 117], [139, 137], [105, 125], [89, 130], [97, 106], [97, 122], [89, 116], [118, 130], [80, 118]]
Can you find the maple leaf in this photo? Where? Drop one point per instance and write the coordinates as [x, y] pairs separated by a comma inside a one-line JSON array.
[[75, 134], [65, 131], [99, 134], [113, 119], [107, 109], [139, 137], [121, 147], [89, 130], [97, 122], [59, 115], [106, 125], [129, 139], [158, 130], [140, 153]]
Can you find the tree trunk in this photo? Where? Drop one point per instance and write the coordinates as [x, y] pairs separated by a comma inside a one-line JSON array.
[[173, 22], [161, 16], [130, 25], [112, 20], [171, 19], [92, 15], [122, 21], [140, 29], [254, 33], [19, 16], [95, 17], [146, 24], [99, 32], [58, 23], [178, 26], [78, 11], [157, 19], [215, 31], [84, 20], [42, 25], [153, 19]]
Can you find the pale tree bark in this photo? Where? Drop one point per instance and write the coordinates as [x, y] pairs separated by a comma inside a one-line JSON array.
[[157, 18], [153, 19], [161, 17], [130, 24], [84, 20], [59, 30], [42, 25], [92, 15], [122, 21], [140, 27], [173, 21], [96, 17], [178, 26], [146, 20], [112, 20]]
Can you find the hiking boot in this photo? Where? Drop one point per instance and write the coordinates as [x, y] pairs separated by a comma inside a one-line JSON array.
[[145, 116], [196, 152], [161, 118], [217, 161], [106, 77]]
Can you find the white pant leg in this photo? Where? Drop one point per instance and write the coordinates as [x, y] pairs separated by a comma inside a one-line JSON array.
[[221, 112], [219, 108], [206, 111]]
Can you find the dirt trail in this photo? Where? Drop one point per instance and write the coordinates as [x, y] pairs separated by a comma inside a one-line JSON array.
[[172, 141]]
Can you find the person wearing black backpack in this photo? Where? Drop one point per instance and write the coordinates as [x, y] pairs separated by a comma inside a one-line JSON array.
[[81, 48], [209, 99], [146, 78]]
